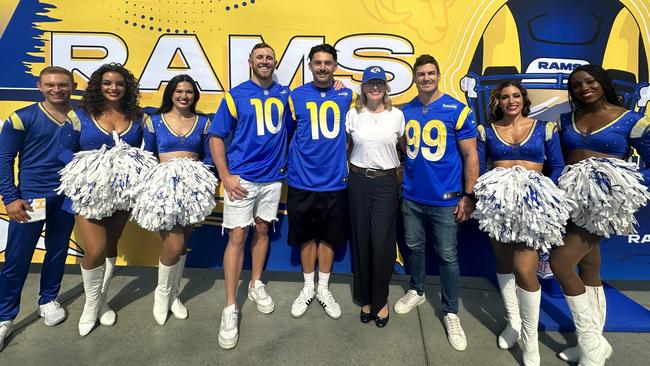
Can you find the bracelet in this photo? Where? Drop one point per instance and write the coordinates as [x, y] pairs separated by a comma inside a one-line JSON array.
[[471, 196]]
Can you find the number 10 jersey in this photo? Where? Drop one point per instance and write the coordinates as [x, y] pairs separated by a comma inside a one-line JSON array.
[[317, 151], [250, 119]]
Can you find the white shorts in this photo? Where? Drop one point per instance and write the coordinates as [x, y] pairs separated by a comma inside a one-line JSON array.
[[262, 201]]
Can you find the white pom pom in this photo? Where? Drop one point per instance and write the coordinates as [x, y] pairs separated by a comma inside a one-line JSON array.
[[517, 205], [176, 192], [608, 192], [99, 182], [129, 166], [85, 180]]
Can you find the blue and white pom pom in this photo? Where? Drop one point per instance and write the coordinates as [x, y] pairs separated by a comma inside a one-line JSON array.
[[99, 182], [130, 164], [176, 192], [86, 181], [608, 192], [517, 205]]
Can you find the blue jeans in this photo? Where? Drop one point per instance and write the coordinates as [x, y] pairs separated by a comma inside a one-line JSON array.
[[442, 222]]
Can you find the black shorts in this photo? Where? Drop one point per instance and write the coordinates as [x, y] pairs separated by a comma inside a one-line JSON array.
[[322, 216]]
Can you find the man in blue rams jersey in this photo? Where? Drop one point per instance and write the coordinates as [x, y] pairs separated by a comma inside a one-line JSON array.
[[440, 170], [317, 176], [32, 133], [248, 145]]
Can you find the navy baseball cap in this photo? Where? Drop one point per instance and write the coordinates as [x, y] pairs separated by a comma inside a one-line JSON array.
[[373, 72]]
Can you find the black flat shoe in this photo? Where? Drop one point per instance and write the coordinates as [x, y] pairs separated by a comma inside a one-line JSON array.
[[381, 322], [365, 317]]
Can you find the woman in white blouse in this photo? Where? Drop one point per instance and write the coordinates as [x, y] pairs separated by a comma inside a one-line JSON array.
[[373, 128]]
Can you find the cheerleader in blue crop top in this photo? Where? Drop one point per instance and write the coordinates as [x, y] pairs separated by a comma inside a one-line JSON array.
[[596, 136], [538, 150], [521, 210], [178, 192], [109, 105]]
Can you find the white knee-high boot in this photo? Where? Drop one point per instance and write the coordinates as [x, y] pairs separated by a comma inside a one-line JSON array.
[[529, 310], [178, 308], [106, 314], [162, 292], [511, 333], [599, 311], [594, 348], [92, 280]]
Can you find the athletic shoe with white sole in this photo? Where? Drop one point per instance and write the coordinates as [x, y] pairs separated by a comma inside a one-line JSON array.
[[229, 329], [455, 333], [331, 307], [301, 303], [6, 327], [52, 312], [408, 302], [261, 298]]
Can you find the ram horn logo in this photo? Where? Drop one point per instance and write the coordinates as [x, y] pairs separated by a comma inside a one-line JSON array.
[[375, 70], [428, 18]]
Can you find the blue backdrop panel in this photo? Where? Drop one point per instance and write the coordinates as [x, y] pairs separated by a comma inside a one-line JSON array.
[[623, 260], [207, 245], [620, 260]]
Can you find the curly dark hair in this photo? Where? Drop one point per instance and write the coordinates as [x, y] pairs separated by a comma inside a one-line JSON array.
[[495, 112], [94, 103], [601, 76]]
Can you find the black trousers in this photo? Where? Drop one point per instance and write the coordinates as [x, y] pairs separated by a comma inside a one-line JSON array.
[[374, 205]]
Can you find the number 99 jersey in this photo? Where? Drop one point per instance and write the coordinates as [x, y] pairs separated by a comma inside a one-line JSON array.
[[433, 168], [250, 120]]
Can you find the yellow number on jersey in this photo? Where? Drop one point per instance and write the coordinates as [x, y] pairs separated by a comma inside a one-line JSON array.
[[264, 115], [416, 137], [319, 119]]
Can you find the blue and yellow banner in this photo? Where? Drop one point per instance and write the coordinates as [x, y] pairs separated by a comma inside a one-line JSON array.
[[477, 43]]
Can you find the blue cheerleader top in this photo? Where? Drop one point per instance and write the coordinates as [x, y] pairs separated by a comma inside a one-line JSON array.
[[82, 132], [617, 138], [541, 145], [160, 137]]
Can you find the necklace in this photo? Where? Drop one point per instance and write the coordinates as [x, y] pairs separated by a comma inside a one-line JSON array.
[[376, 116]]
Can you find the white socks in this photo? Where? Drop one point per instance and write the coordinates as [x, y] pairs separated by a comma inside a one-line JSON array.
[[309, 280], [323, 280]]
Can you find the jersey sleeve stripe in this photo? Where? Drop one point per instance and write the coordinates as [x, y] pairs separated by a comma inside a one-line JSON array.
[[481, 132], [149, 124], [640, 127], [462, 117], [74, 120], [16, 122], [551, 128], [292, 109], [232, 108]]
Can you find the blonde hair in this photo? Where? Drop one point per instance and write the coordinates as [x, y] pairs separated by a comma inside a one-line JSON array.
[[362, 100]]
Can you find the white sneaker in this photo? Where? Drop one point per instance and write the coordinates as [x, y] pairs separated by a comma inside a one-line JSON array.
[[261, 298], [229, 330], [409, 301], [52, 312], [6, 327], [328, 303], [455, 333], [301, 303]]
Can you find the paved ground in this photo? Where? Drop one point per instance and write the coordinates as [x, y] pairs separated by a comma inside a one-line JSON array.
[[417, 338]]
